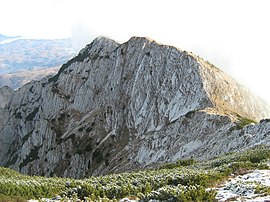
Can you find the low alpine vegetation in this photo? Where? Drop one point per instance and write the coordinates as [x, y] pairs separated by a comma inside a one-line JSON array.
[[185, 180], [243, 121]]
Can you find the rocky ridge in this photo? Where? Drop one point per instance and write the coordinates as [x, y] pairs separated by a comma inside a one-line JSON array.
[[117, 107]]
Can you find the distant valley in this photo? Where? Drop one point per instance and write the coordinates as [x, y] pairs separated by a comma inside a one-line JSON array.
[[23, 60], [4, 38]]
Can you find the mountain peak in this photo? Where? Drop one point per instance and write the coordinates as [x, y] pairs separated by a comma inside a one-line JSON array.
[[117, 107], [99, 43]]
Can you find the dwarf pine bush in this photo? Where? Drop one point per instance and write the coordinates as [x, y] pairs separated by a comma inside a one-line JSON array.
[[188, 181]]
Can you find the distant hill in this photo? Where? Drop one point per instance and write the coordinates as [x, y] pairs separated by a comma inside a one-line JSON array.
[[17, 79], [22, 57], [4, 37]]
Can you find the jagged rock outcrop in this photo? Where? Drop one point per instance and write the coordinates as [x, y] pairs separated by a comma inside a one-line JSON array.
[[118, 107]]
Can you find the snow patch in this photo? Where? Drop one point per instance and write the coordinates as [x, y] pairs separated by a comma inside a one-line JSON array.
[[242, 188]]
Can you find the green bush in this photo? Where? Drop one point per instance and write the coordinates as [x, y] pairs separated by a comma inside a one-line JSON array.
[[4, 198], [179, 163], [261, 189], [243, 121], [181, 193], [186, 180]]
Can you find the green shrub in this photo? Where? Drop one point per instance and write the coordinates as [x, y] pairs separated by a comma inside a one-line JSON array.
[[243, 121], [178, 163], [181, 193], [186, 162], [4, 198], [262, 189], [185, 180]]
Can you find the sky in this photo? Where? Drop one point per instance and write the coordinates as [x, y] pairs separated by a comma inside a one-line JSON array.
[[231, 34]]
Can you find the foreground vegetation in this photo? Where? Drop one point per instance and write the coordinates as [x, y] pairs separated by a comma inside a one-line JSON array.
[[185, 180]]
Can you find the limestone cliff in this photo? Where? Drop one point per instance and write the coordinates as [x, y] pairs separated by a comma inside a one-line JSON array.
[[118, 107]]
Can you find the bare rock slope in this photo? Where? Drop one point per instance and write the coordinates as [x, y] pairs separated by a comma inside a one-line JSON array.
[[117, 107]]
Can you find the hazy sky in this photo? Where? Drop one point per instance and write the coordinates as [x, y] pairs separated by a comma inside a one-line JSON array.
[[232, 34]]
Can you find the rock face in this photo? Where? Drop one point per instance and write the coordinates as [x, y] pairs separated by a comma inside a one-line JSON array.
[[117, 107], [5, 97]]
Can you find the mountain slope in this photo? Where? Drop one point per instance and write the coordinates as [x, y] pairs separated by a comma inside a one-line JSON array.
[[117, 107], [185, 180], [22, 60], [17, 79], [4, 37]]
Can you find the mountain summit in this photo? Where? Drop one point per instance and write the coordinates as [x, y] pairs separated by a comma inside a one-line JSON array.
[[117, 107]]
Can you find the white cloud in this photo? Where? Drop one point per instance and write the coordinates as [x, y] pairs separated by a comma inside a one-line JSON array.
[[81, 35]]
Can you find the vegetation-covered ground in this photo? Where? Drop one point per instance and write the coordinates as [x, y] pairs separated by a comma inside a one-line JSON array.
[[184, 180]]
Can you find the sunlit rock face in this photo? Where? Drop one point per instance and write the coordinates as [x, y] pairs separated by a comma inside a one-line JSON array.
[[117, 107]]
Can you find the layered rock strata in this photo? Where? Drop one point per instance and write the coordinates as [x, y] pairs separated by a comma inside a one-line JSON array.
[[117, 107]]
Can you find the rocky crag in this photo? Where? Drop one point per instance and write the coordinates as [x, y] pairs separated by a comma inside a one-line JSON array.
[[117, 107]]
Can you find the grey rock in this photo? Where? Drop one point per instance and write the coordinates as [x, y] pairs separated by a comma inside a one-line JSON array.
[[6, 94], [117, 107]]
